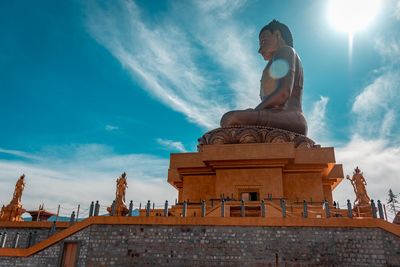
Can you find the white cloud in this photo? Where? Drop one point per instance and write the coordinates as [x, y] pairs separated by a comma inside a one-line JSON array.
[[111, 128], [317, 128], [379, 162], [376, 107], [83, 174], [397, 10], [171, 145]]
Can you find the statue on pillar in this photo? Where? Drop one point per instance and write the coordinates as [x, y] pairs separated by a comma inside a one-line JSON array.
[[13, 211], [362, 201], [19, 188], [119, 208]]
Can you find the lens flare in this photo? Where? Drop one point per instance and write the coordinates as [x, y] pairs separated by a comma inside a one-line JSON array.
[[352, 15], [279, 68]]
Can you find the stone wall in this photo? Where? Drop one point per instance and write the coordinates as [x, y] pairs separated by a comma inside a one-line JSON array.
[[40, 233], [162, 245]]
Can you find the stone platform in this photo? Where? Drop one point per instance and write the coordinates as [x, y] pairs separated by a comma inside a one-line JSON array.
[[261, 171]]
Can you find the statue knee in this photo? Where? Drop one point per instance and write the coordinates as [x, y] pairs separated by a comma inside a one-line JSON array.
[[229, 119]]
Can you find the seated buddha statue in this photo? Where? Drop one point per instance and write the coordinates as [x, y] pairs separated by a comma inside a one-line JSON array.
[[281, 85]]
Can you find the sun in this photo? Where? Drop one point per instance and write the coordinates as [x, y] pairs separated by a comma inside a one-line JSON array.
[[352, 16]]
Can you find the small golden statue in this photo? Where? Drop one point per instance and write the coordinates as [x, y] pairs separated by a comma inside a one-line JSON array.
[[13, 211], [120, 208], [362, 202]]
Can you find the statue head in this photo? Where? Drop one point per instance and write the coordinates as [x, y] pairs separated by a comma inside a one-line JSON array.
[[272, 37]]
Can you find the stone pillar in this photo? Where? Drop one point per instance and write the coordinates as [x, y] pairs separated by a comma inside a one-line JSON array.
[[263, 211], [130, 208], [327, 209], [380, 210], [203, 208], [184, 208], [305, 209], [349, 209], [52, 229], [166, 208], [113, 208], [148, 209], [96, 208], [72, 218], [91, 209], [283, 207], [222, 208], [373, 209]]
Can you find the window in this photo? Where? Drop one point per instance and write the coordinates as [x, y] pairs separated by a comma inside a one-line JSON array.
[[249, 196]]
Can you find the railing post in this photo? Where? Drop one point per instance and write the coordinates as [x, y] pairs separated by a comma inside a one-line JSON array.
[[3, 240], [96, 208], [166, 208], [91, 209], [203, 208], [283, 207], [113, 208], [77, 212], [72, 218], [349, 209], [373, 209], [130, 208], [222, 208], [184, 208], [16, 240], [52, 229], [148, 208], [380, 210], [327, 209], [305, 209], [242, 209], [263, 213]]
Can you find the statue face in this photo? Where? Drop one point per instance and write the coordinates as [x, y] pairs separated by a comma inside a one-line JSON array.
[[269, 44]]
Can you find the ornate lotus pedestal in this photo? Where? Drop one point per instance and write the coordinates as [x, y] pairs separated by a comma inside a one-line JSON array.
[[280, 166]]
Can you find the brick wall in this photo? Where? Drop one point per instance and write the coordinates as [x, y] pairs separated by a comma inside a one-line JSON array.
[[149, 245]]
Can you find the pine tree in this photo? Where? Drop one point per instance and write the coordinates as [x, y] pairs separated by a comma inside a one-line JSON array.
[[393, 202]]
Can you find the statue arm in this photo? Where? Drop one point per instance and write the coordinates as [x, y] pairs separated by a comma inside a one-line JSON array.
[[285, 84]]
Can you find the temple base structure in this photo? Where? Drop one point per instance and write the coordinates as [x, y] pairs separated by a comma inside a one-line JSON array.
[[259, 173]]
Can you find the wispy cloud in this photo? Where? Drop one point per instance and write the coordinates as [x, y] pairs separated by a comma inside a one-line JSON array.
[[171, 145], [79, 174], [317, 120], [166, 59], [221, 8], [18, 153], [111, 128]]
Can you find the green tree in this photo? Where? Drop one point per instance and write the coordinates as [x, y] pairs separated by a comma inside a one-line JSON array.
[[393, 202]]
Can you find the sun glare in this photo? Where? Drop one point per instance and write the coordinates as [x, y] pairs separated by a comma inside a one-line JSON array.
[[352, 15]]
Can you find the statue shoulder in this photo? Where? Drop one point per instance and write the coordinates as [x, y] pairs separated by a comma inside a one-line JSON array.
[[285, 51]]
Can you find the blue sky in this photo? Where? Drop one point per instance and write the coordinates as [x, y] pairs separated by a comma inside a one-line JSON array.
[[89, 89]]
